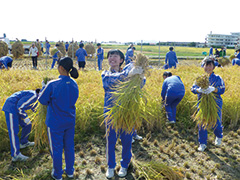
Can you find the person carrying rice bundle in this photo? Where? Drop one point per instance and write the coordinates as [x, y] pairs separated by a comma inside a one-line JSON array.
[[237, 59], [173, 91], [217, 87], [171, 59], [111, 79], [60, 96], [54, 53], [6, 61], [14, 108]]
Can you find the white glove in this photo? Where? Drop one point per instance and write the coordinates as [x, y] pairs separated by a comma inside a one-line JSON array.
[[200, 90], [27, 120], [209, 90], [43, 84], [135, 70]]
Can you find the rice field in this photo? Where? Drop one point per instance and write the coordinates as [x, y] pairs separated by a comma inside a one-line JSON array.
[[174, 146]]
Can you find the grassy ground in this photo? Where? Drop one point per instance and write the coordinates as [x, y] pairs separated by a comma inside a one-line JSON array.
[[172, 145]]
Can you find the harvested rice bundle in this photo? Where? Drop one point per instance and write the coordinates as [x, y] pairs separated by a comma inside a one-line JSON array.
[[155, 170], [39, 126], [54, 50], [61, 48], [38, 45], [90, 49], [224, 61], [232, 57], [72, 49], [207, 113], [3, 48], [130, 99], [17, 49]]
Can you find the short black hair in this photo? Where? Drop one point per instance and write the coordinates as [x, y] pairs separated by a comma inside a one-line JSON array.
[[9, 64], [38, 90], [98, 44], [171, 48], [81, 45], [118, 52], [167, 74], [209, 61], [134, 48]]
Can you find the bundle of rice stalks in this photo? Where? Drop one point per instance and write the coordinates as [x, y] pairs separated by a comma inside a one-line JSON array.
[[156, 171], [54, 50], [38, 45], [207, 113], [17, 49], [72, 49], [3, 49], [232, 57], [129, 102], [224, 61], [39, 126], [90, 49], [61, 48]]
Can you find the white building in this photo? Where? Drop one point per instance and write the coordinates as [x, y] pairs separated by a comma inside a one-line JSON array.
[[226, 40]]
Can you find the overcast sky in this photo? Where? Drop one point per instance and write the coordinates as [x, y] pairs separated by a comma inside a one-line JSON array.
[[122, 21]]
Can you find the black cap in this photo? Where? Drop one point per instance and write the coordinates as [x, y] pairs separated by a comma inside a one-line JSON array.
[[66, 63]]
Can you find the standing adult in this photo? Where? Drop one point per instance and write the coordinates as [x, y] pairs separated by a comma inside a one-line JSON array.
[[81, 53], [173, 91], [129, 55], [34, 52], [14, 108], [6, 61], [211, 51], [216, 85], [60, 96], [171, 58], [100, 55]]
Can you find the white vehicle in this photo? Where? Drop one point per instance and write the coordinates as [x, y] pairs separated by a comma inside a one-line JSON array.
[[6, 40]]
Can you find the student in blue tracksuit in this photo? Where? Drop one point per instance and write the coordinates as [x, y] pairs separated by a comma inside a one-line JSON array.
[[237, 59], [55, 56], [110, 79], [129, 55], [6, 61], [171, 58], [81, 53], [216, 85], [211, 51], [47, 46], [15, 112], [100, 55], [60, 95], [172, 93], [66, 46]]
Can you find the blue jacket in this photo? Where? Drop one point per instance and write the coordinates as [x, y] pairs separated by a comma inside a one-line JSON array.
[[171, 58], [211, 51], [81, 53], [236, 61], [215, 81], [21, 101], [238, 56], [66, 46], [129, 54], [5, 60], [60, 95], [101, 53], [47, 47], [172, 86]]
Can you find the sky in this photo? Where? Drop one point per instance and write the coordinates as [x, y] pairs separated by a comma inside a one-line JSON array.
[[121, 21]]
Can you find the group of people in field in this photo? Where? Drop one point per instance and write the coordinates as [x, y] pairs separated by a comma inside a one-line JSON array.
[[60, 96]]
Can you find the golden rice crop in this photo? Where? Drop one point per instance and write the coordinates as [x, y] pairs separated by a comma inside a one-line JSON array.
[[130, 99], [3, 48], [38, 45], [232, 57], [207, 113], [17, 49], [72, 49], [90, 48], [53, 51], [224, 61]]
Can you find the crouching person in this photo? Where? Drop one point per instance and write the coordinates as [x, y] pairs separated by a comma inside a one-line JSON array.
[[60, 95], [14, 108]]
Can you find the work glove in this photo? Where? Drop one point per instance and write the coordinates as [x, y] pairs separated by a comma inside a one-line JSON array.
[[136, 70], [27, 120], [200, 90], [209, 90], [43, 84]]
